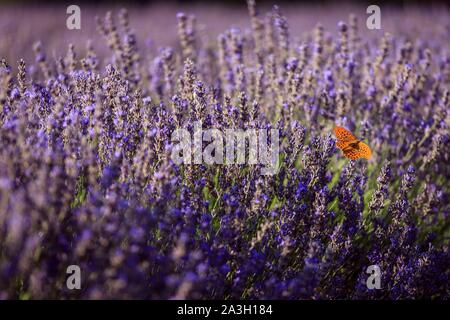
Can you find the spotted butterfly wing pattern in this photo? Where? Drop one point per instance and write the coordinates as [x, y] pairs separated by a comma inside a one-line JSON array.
[[364, 150], [344, 135], [351, 154], [358, 150], [350, 145], [342, 144]]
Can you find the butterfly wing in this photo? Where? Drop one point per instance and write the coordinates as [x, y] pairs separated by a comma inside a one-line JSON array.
[[351, 153], [360, 150], [343, 134], [364, 150], [341, 144]]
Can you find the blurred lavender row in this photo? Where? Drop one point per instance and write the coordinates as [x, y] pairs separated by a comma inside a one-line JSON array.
[[86, 176]]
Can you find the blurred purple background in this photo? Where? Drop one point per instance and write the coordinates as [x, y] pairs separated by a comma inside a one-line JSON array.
[[23, 23]]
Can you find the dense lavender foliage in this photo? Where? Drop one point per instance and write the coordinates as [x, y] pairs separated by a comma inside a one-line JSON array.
[[86, 176]]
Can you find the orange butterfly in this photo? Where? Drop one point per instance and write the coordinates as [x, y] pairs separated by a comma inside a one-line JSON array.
[[350, 145]]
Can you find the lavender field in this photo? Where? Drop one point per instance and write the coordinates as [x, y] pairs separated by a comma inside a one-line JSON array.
[[87, 176]]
